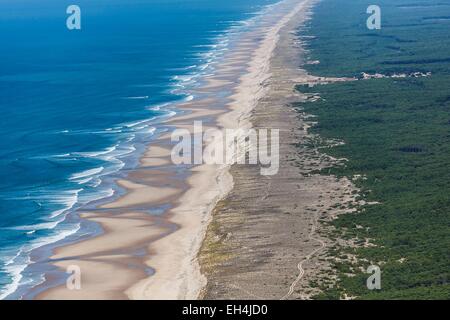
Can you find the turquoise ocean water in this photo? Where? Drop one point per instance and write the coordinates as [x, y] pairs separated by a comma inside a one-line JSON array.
[[78, 106]]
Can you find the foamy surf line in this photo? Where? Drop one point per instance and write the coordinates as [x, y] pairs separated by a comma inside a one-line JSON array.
[[90, 186], [178, 274], [93, 189], [115, 158], [186, 87]]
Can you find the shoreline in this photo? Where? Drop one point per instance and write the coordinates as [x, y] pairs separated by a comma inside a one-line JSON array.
[[249, 91], [166, 267], [265, 241], [138, 225]]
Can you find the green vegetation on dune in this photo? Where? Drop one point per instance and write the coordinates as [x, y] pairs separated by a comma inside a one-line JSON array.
[[396, 133]]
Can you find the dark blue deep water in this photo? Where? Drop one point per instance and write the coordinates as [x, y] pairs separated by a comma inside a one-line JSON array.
[[77, 105]]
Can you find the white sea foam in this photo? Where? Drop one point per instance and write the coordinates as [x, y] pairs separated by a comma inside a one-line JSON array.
[[87, 173], [183, 80], [136, 98], [94, 182], [15, 271], [39, 226], [109, 131], [64, 155], [181, 86], [60, 235], [85, 180], [66, 198], [100, 194], [148, 130], [15, 266], [182, 68], [133, 124], [94, 154], [158, 107], [209, 46]]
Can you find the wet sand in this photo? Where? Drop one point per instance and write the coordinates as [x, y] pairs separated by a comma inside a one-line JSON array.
[[260, 228]]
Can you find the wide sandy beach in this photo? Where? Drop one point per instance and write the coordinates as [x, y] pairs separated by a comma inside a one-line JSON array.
[[265, 240], [165, 256]]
